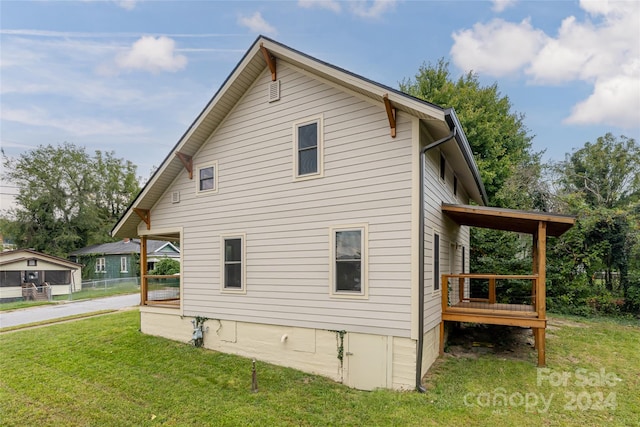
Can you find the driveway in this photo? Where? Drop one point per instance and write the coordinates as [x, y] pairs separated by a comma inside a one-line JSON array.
[[48, 312]]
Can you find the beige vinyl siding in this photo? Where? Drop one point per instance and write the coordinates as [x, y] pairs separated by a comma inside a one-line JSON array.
[[438, 191], [367, 180]]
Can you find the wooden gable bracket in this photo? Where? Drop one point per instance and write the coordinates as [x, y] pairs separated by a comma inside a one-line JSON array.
[[187, 161], [391, 114], [271, 61], [144, 215]]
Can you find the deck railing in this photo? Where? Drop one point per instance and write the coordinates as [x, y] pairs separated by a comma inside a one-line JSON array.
[[490, 294], [162, 289]]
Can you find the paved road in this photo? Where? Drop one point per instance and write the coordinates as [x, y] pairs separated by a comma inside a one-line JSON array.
[[48, 312]]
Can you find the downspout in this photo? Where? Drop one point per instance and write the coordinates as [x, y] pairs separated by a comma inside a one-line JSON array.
[[419, 386]]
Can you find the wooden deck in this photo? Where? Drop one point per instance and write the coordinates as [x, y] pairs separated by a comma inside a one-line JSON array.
[[170, 303], [459, 306]]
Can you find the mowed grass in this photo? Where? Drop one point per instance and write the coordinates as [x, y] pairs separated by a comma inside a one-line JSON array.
[[103, 371], [129, 288]]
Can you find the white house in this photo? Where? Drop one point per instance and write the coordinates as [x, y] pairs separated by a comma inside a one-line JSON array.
[[59, 275], [310, 222]]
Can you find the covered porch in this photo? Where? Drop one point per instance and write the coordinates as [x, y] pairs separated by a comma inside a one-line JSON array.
[[159, 290], [512, 300]]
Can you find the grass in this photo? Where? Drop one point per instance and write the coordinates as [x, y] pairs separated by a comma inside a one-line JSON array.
[[56, 320], [103, 371], [88, 293]]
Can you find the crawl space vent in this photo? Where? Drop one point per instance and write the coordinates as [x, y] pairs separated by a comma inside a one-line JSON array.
[[274, 91], [175, 197]]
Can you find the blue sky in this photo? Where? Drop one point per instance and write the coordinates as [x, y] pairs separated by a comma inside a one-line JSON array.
[[131, 76]]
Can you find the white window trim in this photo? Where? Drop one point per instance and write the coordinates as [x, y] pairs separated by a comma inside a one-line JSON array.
[[103, 263], [320, 173], [214, 190], [124, 262], [364, 293], [243, 282]]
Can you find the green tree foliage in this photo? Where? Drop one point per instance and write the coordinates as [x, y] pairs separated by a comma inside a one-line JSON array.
[[501, 145], [67, 198], [500, 142], [606, 173], [166, 266], [595, 264]]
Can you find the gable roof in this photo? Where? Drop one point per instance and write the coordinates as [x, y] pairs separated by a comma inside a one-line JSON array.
[[124, 248], [439, 121], [9, 257]]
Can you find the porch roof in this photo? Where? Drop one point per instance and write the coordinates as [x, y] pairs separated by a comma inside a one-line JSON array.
[[508, 219]]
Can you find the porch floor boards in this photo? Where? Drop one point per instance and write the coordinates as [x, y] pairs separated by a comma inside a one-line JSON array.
[[173, 303]]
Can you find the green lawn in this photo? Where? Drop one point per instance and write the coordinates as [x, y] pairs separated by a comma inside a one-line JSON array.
[[103, 371], [99, 292]]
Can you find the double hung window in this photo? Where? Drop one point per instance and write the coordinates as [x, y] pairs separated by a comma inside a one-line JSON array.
[[308, 148], [233, 264], [349, 261]]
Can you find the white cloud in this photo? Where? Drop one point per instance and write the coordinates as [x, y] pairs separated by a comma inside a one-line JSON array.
[[152, 54], [257, 24], [615, 101], [601, 50], [372, 9], [497, 48], [331, 5], [501, 5], [126, 4], [75, 126]]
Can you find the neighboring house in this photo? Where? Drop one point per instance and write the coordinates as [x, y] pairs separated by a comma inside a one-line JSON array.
[[7, 244], [312, 228], [120, 259], [24, 266]]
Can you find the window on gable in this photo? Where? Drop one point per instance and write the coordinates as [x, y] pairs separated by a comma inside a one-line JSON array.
[[208, 178], [455, 185], [32, 262], [233, 263], [308, 148], [436, 261], [349, 269], [100, 265], [443, 166]]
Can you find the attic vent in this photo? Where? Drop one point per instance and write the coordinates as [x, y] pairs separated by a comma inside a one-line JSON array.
[[175, 197], [274, 91]]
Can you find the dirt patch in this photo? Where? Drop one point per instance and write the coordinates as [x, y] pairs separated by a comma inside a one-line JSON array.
[[474, 340]]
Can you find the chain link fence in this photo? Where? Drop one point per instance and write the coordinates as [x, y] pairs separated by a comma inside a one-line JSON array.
[[103, 287]]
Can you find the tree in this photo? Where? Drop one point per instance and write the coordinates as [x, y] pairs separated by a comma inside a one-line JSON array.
[[606, 173], [500, 142], [501, 145], [166, 267], [66, 198], [600, 183]]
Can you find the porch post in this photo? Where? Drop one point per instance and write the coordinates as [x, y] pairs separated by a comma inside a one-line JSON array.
[[143, 270], [541, 291]]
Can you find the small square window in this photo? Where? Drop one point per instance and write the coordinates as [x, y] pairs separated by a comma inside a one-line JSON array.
[[32, 262], [308, 150], [207, 178]]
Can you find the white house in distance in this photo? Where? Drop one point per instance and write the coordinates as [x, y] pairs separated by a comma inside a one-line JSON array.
[[308, 203], [27, 266]]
